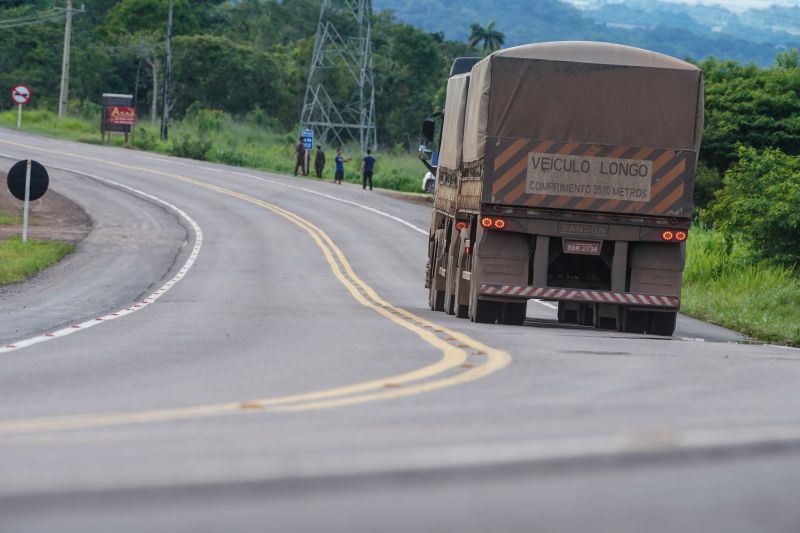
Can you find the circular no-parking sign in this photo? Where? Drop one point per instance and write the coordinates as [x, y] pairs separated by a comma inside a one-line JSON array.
[[39, 180], [20, 94]]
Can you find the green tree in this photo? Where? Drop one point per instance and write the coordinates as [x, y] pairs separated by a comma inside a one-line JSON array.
[[220, 74], [788, 59], [491, 38], [409, 69], [131, 16], [758, 204], [745, 104]]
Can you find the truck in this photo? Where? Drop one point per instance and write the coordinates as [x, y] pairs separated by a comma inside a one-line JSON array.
[[565, 173]]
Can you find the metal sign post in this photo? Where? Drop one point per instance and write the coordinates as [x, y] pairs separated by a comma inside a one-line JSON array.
[[27, 181], [27, 200], [20, 95]]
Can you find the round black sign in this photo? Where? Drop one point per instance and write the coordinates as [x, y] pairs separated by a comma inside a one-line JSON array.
[[39, 180]]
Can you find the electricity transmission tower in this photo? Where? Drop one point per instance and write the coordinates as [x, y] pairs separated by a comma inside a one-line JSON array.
[[339, 102]]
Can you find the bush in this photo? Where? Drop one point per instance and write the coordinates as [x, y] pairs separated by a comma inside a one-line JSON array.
[[190, 147], [759, 205], [206, 120], [144, 140]]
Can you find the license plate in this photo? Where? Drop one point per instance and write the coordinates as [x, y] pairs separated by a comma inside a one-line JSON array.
[[582, 247]]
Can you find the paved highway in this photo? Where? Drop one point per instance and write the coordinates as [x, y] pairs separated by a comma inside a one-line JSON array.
[[254, 353]]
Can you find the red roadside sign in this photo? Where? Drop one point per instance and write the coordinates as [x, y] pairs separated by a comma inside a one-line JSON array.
[[20, 94], [122, 115]]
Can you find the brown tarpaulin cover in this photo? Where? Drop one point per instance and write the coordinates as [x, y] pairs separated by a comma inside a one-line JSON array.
[[453, 127], [584, 92]]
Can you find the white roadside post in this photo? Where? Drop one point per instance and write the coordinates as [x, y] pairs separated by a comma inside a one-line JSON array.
[[27, 200], [19, 116]]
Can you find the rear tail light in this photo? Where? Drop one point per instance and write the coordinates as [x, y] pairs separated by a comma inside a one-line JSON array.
[[670, 235], [461, 225], [493, 222]]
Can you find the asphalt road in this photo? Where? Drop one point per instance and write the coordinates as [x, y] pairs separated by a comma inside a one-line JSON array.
[[283, 373]]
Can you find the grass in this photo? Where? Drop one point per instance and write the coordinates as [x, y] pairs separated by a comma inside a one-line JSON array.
[[213, 136], [9, 220], [725, 287], [20, 260]]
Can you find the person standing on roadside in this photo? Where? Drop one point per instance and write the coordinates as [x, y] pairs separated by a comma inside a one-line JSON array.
[[340, 161], [367, 166], [300, 153], [319, 161]]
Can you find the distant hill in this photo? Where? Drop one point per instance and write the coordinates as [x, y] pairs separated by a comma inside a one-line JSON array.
[[681, 30]]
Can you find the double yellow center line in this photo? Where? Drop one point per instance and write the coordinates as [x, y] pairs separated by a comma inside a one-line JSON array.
[[463, 360]]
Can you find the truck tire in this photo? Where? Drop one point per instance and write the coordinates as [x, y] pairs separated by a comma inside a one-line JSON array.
[[462, 311], [568, 314], [481, 311], [435, 296], [633, 321], [661, 323], [513, 313], [450, 295], [435, 299], [486, 312]]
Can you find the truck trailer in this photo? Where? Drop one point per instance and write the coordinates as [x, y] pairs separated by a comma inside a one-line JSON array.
[[565, 173]]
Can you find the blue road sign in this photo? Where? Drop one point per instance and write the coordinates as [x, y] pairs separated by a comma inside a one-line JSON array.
[[308, 138]]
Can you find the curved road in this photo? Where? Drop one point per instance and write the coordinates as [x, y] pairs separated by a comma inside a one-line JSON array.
[[255, 354]]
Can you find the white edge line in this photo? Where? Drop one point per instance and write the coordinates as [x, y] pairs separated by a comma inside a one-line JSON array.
[[305, 189], [136, 306]]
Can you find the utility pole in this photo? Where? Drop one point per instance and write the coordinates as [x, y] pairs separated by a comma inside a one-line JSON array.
[[167, 75], [64, 95]]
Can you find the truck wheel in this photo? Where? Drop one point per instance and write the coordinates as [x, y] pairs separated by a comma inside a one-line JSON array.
[[513, 314], [436, 295], [436, 299], [463, 310], [661, 323], [634, 321], [586, 315], [430, 186], [450, 296], [569, 314], [486, 312]]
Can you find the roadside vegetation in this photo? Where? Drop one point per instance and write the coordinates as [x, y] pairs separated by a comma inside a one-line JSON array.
[[9, 220], [20, 260], [743, 273], [725, 286], [212, 135]]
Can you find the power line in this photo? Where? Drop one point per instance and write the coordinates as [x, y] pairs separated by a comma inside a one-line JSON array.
[[49, 15]]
